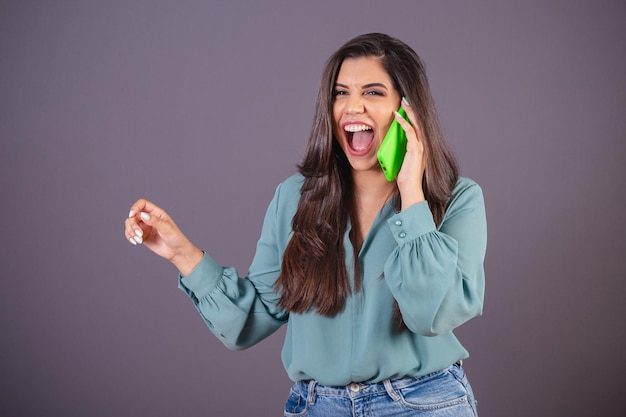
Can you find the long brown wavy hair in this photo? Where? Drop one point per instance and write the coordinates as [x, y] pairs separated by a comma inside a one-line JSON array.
[[314, 273]]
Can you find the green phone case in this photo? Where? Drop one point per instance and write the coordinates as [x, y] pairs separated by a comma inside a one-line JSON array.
[[393, 148]]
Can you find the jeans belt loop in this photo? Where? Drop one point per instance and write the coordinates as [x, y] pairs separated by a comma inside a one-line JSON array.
[[311, 392], [391, 390]]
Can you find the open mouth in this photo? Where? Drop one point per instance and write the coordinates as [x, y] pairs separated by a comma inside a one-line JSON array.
[[360, 138]]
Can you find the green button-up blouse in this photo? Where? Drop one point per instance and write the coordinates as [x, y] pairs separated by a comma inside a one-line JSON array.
[[436, 275]]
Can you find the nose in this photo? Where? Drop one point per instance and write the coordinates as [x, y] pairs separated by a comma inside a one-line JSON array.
[[355, 105]]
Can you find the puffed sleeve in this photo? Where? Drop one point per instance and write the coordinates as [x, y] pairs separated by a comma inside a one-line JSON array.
[[437, 275], [241, 311]]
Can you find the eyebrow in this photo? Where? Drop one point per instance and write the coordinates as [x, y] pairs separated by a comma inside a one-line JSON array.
[[365, 86]]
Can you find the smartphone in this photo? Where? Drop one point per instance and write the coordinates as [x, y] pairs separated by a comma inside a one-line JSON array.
[[393, 148]]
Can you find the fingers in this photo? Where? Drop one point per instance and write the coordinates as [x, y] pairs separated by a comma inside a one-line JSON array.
[[143, 205], [136, 236], [413, 127], [409, 179], [143, 215], [135, 230]]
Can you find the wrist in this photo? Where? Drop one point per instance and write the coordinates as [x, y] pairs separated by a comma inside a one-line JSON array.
[[187, 260], [411, 198]]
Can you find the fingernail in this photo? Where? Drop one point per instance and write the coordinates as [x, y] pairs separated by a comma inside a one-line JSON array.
[[138, 239], [405, 101], [398, 115], [145, 216], [138, 232], [132, 241], [131, 213]]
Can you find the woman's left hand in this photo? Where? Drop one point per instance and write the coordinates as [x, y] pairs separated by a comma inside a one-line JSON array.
[[411, 173]]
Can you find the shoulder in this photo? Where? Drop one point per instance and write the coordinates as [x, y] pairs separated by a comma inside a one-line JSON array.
[[464, 184], [291, 184], [289, 189], [466, 193], [287, 194]]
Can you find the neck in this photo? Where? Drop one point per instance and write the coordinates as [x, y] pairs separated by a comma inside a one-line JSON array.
[[372, 185]]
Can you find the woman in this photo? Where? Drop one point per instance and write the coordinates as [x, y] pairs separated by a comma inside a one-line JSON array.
[[372, 276]]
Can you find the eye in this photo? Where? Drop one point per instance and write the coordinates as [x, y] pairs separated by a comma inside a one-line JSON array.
[[340, 93], [373, 93]]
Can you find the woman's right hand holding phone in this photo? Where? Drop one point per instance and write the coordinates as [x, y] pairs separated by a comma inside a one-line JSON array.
[[409, 178], [151, 226]]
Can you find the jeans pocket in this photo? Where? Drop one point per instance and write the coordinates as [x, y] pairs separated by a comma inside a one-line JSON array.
[[443, 393], [459, 374], [296, 405]]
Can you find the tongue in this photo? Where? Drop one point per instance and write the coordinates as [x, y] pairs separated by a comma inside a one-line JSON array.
[[361, 140]]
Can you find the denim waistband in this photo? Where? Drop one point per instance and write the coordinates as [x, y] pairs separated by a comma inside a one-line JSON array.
[[356, 389]]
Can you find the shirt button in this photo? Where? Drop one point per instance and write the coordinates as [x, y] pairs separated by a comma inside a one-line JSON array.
[[402, 235], [354, 387], [398, 222]]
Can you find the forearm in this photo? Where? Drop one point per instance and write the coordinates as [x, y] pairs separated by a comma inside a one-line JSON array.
[[437, 275], [435, 293], [235, 311]]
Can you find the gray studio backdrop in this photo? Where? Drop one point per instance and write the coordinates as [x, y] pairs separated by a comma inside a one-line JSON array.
[[205, 106]]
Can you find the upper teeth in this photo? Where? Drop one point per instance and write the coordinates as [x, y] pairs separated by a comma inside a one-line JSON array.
[[356, 128]]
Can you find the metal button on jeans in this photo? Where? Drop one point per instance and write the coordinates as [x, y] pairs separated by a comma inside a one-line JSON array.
[[354, 387]]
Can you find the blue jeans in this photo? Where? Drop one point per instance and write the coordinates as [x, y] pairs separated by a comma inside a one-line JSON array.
[[439, 394]]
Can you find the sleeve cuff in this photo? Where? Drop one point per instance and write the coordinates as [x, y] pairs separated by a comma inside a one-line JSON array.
[[202, 280], [411, 223]]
